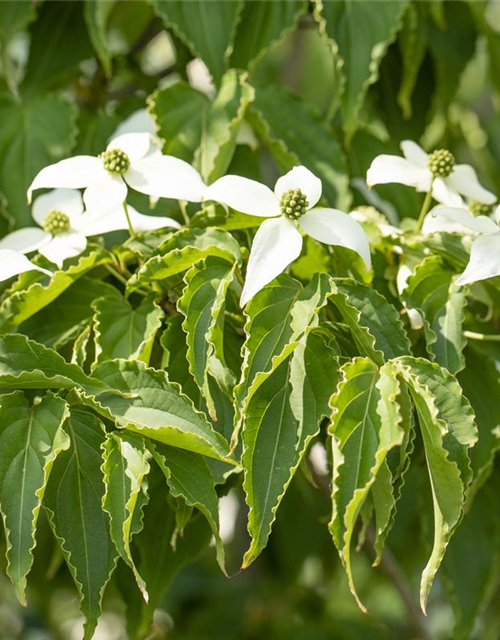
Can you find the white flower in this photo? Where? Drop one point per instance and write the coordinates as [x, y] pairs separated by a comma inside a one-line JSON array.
[[12, 263], [290, 208], [451, 181], [65, 226], [484, 259], [131, 159]]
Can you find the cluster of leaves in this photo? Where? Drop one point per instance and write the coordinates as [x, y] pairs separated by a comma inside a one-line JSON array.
[[136, 392]]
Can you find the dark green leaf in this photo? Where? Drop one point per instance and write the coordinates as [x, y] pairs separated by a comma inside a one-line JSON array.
[[73, 500], [30, 440]]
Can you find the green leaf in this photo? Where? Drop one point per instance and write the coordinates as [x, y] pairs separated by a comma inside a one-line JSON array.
[[96, 14], [15, 16], [159, 560], [207, 28], [280, 420], [448, 431], [472, 584], [287, 127], [278, 318], [34, 133], [26, 297], [366, 423], [220, 125], [374, 322], [202, 305], [64, 318], [263, 25], [181, 251], [58, 45], [199, 130], [125, 471], [123, 332], [73, 501], [452, 48], [30, 440], [144, 401], [413, 45], [25, 364], [178, 112], [190, 479], [432, 291], [359, 33]]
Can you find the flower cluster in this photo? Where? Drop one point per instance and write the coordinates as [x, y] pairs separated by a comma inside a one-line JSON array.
[[133, 159]]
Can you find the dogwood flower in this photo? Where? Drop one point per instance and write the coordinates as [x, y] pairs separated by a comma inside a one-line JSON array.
[[418, 169], [12, 263], [484, 259], [290, 210], [65, 225], [131, 159]]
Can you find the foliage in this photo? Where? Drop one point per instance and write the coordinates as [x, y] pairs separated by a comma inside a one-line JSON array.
[[344, 410]]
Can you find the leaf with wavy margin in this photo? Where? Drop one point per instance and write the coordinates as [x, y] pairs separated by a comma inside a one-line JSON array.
[[365, 424], [73, 501], [202, 304], [280, 420], [125, 470], [31, 438], [448, 430]]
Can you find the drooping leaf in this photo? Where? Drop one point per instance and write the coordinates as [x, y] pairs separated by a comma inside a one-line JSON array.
[[144, 401], [412, 42], [280, 420], [207, 28], [452, 48], [31, 437], [366, 423], [125, 471], [432, 291], [448, 430], [124, 332], [34, 133], [180, 252], [374, 322], [287, 127], [190, 479], [73, 500], [359, 33], [262, 25], [202, 304], [28, 297], [96, 14], [158, 560]]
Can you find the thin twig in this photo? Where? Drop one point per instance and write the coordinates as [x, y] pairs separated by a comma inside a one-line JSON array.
[[393, 571]]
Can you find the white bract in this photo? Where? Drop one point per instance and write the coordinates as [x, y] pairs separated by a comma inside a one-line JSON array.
[[278, 240], [484, 259], [12, 263], [449, 181], [65, 225], [132, 159]]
